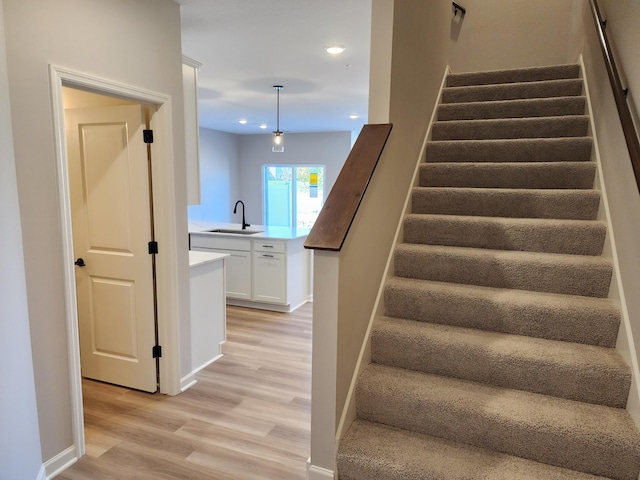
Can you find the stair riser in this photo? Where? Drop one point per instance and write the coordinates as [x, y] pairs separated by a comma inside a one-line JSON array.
[[578, 175], [490, 270], [510, 128], [578, 239], [427, 349], [512, 109], [575, 204], [535, 74], [547, 89], [573, 149], [504, 311], [445, 414]]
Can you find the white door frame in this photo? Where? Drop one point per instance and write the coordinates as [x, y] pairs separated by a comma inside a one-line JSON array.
[[165, 228]]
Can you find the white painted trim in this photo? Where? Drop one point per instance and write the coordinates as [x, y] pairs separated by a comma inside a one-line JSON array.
[[61, 462], [273, 307], [191, 62], [189, 380], [349, 406], [42, 473], [625, 344], [318, 473], [73, 338], [163, 173]]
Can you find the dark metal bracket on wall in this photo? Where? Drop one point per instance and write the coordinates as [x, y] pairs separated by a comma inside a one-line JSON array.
[[458, 8]]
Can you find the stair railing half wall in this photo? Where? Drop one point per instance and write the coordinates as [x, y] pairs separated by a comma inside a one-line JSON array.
[[619, 92]]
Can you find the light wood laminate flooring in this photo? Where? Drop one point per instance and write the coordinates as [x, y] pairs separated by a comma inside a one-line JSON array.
[[247, 418]]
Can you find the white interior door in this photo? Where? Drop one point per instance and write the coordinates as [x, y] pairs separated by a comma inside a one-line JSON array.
[[111, 216]]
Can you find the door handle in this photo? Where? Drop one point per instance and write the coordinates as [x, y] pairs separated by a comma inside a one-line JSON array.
[[80, 262]]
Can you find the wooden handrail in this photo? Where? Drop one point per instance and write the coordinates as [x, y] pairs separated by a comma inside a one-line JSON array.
[[332, 225], [619, 93]]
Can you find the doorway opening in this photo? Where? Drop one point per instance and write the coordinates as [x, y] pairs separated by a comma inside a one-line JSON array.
[[164, 199]]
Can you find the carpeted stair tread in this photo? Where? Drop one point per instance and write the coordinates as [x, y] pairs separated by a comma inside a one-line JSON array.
[[529, 74], [540, 127], [578, 237], [574, 371], [567, 149], [512, 91], [375, 451], [542, 272], [528, 175], [536, 107], [580, 436], [569, 318], [505, 202]]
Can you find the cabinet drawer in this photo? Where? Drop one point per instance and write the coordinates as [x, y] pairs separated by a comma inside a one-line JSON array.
[[269, 246], [215, 242]]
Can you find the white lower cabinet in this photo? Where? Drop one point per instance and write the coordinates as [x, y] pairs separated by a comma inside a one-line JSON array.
[[238, 274], [269, 277], [263, 273]]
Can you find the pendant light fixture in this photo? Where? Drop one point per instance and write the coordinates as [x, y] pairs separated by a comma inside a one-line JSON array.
[[278, 145]]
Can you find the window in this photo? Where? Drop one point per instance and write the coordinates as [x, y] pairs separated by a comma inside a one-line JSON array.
[[292, 194]]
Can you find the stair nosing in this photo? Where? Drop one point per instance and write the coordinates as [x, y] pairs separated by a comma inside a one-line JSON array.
[[507, 254]]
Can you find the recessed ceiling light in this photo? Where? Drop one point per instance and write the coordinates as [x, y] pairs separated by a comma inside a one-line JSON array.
[[353, 116], [243, 121], [263, 126], [335, 49]]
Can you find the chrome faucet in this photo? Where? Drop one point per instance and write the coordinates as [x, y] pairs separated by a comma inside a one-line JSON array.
[[244, 224]]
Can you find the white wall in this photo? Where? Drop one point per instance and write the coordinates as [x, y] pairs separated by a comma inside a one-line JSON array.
[[622, 30], [134, 42], [619, 181], [498, 34], [20, 455], [330, 149], [219, 154]]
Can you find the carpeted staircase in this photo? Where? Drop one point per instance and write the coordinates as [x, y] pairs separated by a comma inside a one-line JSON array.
[[496, 357]]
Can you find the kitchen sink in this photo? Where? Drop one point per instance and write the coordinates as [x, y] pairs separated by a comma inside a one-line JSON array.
[[234, 231]]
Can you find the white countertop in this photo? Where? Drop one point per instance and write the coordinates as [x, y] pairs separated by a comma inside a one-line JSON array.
[[200, 258], [261, 231]]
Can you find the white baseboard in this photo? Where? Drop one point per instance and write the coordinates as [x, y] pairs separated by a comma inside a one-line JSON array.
[[273, 307], [188, 381], [58, 464], [42, 474], [318, 473]]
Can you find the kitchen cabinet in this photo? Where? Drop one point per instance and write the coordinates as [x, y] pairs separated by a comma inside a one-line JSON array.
[[238, 262], [191, 135], [238, 274], [271, 274]]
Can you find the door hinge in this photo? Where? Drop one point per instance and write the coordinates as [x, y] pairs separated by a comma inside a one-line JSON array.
[[157, 351], [153, 248], [147, 136]]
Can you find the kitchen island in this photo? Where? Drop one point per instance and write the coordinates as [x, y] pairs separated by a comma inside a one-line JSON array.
[[205, 333], [267, 267]]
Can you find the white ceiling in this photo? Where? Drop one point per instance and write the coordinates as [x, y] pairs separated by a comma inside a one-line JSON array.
[[247, 46]]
